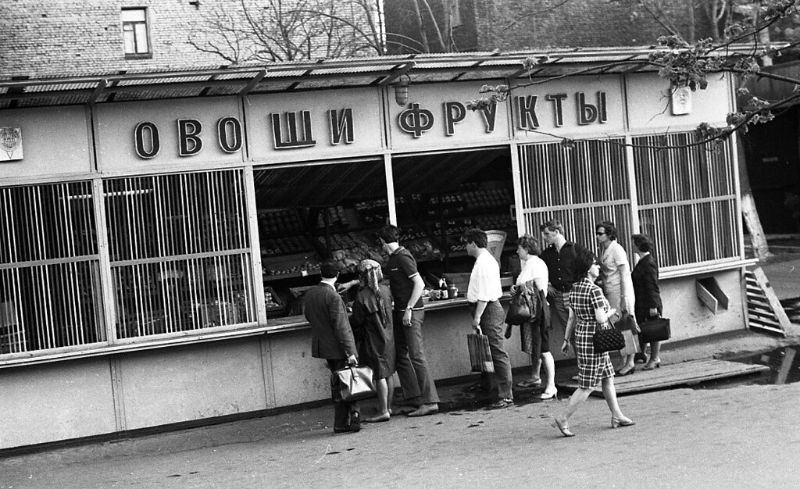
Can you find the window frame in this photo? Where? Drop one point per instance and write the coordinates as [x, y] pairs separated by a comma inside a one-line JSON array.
[[133, 24]]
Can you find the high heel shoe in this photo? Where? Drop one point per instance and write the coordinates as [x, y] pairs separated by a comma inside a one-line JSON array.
[[623, 421], [652, 364], [563, 427], [629, 372]]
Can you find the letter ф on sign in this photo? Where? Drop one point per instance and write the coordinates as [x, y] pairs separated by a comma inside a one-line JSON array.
[[144, 133], [293, 141], [189, 142], [588, 113], [414, 120]]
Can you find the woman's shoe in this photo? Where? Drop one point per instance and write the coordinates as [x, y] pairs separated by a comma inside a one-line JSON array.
[[563, 427], [623, 421], [623, 373], [548, 395], [378, 419], [652, 364]]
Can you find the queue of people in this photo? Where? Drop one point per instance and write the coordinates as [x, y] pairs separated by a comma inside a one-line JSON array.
[[578, 292]]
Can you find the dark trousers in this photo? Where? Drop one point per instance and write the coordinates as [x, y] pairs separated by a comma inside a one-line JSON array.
[[412, 366], [344, 413]]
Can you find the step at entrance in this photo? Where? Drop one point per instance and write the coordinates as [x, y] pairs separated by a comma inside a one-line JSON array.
[[668, 375]]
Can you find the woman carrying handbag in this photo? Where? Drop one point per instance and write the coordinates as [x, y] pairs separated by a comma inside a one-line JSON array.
[[648, 294], [588, 311]]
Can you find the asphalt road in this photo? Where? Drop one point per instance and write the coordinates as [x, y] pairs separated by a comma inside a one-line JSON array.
[[745, 436]]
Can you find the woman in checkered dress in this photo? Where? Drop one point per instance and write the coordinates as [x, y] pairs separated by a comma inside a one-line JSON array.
[[588, 308]]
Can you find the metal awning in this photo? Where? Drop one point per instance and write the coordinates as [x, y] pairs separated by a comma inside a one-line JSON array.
[[320, 74]]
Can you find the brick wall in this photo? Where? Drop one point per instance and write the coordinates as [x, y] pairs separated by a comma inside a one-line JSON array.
[[61, 37], [515, 24]]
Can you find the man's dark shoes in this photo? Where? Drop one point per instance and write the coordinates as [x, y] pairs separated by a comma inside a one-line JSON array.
[[425, 410], [503, 403], [355, 424]]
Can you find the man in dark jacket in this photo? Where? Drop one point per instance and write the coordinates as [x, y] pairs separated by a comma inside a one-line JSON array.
[[332, 339]]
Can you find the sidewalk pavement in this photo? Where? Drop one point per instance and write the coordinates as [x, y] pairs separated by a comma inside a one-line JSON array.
[[295, 448]]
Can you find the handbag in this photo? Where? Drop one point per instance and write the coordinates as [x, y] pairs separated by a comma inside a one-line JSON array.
[[520, 310], [355, 383], [655, 329], [607, 338], [480, 355], [627, 323]]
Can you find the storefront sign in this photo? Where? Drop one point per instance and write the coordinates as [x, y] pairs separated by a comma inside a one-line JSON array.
[[10, 143], [571, 107]]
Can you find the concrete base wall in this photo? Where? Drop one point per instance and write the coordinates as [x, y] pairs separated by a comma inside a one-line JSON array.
[[80, 398]]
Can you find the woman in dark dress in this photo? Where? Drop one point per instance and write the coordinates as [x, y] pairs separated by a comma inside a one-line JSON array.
[[648, 295], [589, 309], [372, 317]]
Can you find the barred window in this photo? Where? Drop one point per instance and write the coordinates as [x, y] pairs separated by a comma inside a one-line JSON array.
[[49, 268], [180, 252], [686, 198], [580, 186]]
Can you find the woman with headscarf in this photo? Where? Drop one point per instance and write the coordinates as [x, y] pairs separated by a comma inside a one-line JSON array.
[[372, 318]]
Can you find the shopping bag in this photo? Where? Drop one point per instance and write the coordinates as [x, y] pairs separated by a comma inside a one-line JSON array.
[[480, 355], [520, 310], [355, 383], [607, 338], [655, 329]]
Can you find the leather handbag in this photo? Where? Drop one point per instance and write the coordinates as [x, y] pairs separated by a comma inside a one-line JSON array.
[[627, 323], [480, 355], [355, 383], [520, 309], [655, 329], [607, 338]]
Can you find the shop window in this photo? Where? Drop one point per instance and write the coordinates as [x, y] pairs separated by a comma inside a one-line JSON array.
[[439, 196], [580, 186], [49, 268], [686, 199], [180, 253], [312, 212], [135, 33]]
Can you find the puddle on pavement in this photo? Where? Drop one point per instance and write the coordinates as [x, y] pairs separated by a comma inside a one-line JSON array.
[[784, 368]]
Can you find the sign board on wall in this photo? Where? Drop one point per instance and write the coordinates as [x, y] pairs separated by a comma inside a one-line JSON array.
[[571, 107], [56, 142], [436, 116], [653, 105], [10, 143], [140, 136], [315, 124]]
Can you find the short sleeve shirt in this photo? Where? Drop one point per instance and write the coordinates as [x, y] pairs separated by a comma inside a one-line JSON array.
[[402, 266], [484, 281], [534, 269]]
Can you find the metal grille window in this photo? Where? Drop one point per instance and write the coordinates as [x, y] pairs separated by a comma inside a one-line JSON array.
[[580, 186], [179, 251], [687, 198], [49, 268]]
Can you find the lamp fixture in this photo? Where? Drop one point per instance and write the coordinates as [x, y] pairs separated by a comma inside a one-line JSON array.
[[401, 90]]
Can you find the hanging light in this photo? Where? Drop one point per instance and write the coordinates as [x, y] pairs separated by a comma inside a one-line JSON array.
[[401, 90]]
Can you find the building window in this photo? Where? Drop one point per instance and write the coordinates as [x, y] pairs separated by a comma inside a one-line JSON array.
[[179, 247], [580, 186], [686, 198], [134, 32], [50, 295]]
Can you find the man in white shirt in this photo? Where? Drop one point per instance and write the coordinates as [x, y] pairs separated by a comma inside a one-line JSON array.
[[484, 294]]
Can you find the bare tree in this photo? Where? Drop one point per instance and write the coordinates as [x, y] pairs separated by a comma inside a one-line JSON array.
[[286, 30]]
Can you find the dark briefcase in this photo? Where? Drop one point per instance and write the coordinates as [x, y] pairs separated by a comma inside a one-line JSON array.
[[655, 329]]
